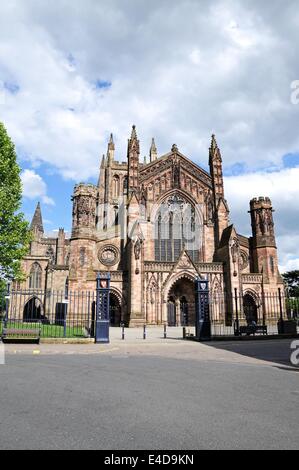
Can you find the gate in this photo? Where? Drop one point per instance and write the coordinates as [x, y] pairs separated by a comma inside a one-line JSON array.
[[184, 312], [171, 313]]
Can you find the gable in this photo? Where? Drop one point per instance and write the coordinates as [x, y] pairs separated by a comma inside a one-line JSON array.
[[164, 164], [184, 263], [175, 172]]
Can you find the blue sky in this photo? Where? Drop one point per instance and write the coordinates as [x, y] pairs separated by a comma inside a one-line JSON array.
[[178, 70]]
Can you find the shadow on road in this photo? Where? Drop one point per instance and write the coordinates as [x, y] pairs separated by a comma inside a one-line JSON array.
[[277, 351]]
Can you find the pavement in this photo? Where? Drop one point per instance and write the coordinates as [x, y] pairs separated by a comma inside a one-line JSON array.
[[149, 394]]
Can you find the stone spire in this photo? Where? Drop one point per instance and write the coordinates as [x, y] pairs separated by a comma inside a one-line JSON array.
[[37, 221], [133, 133], [103, 162], [110, 150], [214, 146], [153, 151], [133, 160], [101, 179], [215, 163]]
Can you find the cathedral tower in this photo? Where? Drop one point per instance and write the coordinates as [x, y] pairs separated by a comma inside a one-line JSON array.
[[264, 251]]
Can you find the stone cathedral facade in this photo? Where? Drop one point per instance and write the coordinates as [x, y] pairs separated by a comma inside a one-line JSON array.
[[156, 226]]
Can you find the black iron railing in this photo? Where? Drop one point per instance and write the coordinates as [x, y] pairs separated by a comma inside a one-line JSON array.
[[72, 314]]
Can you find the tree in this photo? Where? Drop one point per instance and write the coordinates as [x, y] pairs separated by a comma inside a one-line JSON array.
[[15, 235], [291, 278]]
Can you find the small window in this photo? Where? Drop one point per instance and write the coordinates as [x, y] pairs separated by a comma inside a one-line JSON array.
[[82, 257]]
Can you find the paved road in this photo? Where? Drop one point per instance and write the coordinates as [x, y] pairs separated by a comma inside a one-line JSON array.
[[145, 396]]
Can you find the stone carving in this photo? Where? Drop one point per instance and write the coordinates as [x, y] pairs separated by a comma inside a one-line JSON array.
[[50, 254], [184, 263], [84, 206], [176, 174], [152, 288], [209, 209], [235, 250], [137, 248], [265, 221], [108, 255], [244, 260]]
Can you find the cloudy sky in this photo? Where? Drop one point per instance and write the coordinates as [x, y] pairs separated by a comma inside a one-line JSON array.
[[179, 70]]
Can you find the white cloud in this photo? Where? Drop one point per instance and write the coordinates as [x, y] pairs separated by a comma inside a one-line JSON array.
[[283, 189], [34, 187], [178, 70]]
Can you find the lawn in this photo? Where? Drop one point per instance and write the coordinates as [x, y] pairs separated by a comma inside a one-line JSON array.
[[49, 331]]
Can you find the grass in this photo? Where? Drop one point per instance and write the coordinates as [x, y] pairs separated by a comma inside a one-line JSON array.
[[49, 331]]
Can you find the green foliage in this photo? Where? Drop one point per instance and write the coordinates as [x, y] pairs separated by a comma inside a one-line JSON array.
[[291, 278], [15, 235], [2, 297], [293, 304]]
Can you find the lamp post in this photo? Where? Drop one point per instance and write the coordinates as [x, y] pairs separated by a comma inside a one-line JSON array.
[[102, 308]]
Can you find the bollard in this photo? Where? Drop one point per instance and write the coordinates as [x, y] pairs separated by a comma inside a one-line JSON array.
[[122, 331], [184, 332], [165, 334], [144, 331]]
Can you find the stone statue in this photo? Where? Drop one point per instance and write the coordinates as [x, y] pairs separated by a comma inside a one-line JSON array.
[[137, 248], [235, 249]]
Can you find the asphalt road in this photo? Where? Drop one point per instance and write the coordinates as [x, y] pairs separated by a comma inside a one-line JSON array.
[[136, 401]]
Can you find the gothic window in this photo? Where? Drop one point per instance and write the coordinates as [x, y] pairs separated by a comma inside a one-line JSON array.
[[176, 228], [82, 257], [35, 278], [116, 186]]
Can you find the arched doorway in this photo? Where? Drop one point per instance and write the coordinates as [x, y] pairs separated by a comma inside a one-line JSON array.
[[32, 310], [181, 303], [250, 309], [114, 310]]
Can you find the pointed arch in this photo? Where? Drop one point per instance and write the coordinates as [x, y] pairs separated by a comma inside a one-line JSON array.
[[173, 279], [35, 276], [178, 223]]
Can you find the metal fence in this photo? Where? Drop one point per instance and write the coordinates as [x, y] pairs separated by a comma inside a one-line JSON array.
[[58, 315], [268, 314], [72, 315]]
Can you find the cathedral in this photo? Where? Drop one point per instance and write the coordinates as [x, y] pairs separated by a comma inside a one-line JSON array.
[[156, 226]]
